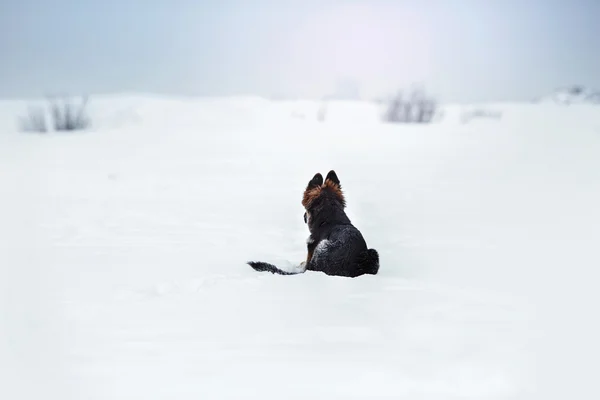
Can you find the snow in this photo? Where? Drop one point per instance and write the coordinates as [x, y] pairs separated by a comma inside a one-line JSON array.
[[123, 253]]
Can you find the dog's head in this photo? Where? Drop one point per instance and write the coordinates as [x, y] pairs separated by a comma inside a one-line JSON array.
[[321, 196]]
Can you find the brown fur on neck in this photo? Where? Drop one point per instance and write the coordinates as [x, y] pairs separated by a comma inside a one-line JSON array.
[[313, 193]]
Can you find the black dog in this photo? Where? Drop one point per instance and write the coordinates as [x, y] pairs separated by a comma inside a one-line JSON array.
[[335, 246]]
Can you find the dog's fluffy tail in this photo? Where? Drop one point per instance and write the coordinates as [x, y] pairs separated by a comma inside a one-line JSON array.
[[369, 262], [266, 267]]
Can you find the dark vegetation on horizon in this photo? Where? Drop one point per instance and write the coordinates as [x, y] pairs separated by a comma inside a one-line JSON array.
[[59, 114]]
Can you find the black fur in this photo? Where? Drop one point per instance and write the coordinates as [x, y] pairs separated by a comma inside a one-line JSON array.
[[345, 251], [316, 181], [335, 246], [266, 267], [333, 177]]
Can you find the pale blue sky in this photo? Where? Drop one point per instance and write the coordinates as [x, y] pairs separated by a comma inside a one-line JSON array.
[[463, 50]]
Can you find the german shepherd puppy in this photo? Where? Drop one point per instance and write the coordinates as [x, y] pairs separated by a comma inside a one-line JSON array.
[[334, 246]]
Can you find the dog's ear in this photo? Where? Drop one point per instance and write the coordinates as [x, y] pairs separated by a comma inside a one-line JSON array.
[[331, 176], [316, 181]]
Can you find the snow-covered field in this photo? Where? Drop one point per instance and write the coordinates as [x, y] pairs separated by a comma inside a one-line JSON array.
[[123, 250]]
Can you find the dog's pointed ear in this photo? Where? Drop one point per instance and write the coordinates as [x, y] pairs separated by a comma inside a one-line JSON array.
[[331, 176], [316, 181]]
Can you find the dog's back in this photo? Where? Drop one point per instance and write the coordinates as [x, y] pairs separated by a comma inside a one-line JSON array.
[[341, 250]]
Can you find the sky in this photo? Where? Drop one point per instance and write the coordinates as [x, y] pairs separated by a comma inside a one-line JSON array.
[[463, 51]]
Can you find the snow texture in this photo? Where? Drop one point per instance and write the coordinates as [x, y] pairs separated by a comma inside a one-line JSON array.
[[123, 254]]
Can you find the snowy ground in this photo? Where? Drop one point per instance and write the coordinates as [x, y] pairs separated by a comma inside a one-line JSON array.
[[123, 254]]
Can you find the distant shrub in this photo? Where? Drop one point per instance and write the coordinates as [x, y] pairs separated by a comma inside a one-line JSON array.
[[61, 115], [469, 115], [298, 114], [576, 90], [322, 112], [67, 116], [416, 107], [34, 121]]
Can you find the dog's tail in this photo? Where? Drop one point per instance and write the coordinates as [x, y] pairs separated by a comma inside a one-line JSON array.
[[368, 262], [266, 267]]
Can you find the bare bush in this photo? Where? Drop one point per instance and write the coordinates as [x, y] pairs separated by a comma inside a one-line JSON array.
[[322, 112], [63, 115], [416, 107], [479, 113], [68, 116], [34, 121]]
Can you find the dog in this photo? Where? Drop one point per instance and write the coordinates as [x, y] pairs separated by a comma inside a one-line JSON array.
[[335, 246]]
